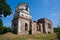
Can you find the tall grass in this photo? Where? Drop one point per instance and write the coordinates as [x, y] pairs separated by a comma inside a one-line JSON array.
[[11, 36]]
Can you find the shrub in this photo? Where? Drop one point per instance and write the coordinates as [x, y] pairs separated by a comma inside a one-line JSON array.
[[15, 30]]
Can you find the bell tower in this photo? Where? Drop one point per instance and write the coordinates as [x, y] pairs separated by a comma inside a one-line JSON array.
[[22, 19], [23, 11]]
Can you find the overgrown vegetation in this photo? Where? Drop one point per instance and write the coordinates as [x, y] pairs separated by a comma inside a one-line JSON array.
[[5, 10], [3, 29], [15, 30], [57, 31], [10, 36]]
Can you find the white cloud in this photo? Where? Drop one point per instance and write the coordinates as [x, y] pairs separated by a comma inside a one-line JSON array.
[[55, 18], [54, 14]]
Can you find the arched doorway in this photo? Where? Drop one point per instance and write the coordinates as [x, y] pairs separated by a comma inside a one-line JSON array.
[[26, 26]]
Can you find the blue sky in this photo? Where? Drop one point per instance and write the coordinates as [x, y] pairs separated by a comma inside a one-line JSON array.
[[38, 9]]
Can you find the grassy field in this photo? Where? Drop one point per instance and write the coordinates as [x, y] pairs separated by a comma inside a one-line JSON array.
[[11, 36]]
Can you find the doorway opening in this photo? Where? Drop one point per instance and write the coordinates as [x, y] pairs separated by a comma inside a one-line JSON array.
[[26, 26]]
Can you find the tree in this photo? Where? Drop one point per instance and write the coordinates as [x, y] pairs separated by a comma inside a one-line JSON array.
[[4, 8], [1, 27], [57, 30], [1, 22]]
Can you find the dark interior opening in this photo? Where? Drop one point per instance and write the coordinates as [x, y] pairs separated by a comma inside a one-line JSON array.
[[26, 26]]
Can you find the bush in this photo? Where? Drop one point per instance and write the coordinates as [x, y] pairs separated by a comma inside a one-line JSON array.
[[4, 29], [57, 30], [15, 30]]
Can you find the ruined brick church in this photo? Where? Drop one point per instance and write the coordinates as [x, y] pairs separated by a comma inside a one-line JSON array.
[[22, 22]]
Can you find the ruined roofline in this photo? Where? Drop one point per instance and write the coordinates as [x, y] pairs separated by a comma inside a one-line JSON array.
[[23, 4], [44, 19], [35, 21]]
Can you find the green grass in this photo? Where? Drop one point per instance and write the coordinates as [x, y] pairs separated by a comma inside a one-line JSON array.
[[10, 36]]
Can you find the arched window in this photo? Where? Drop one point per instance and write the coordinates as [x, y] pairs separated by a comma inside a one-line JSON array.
[[38, 28], [26, 26], [49, 26]]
